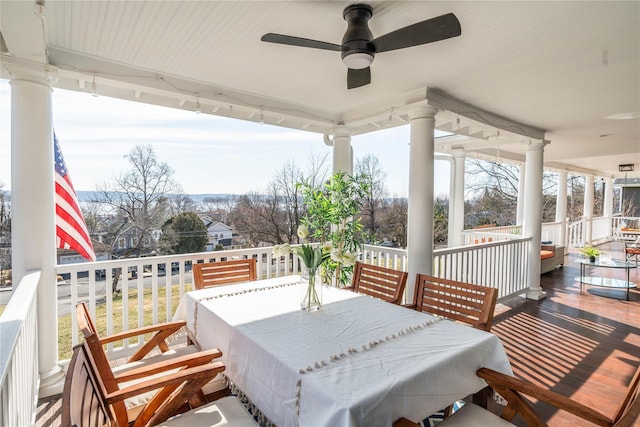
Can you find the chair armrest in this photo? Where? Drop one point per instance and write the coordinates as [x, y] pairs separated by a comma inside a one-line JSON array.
[[178, 388], [509, 387], [162, 332], [160, 327], [204, 373], [186, 361]]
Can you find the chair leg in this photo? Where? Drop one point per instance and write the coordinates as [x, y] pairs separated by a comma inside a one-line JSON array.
[[481, 398], [448, 411]]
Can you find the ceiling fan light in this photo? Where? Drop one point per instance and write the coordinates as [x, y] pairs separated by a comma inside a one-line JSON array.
[[357, 60]]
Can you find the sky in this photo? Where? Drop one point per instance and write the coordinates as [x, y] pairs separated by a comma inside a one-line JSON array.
[[208, 154]]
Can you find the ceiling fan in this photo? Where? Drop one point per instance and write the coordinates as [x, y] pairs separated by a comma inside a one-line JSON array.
[[359, 47]]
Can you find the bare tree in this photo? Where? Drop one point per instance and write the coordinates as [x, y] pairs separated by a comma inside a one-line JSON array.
[[492, 193], [285, 186], [260, 218], [181, 203], [318, 170], [394, 221], [273, 218], [369, 167], [576, 185], [139, 196], [219, 208]]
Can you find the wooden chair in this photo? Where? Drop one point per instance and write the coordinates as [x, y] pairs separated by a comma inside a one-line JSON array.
[[379, 282], [160, 332], [515, 391], [224, 272], [454, 300], [86, 402], [632, 250], [137, 370]]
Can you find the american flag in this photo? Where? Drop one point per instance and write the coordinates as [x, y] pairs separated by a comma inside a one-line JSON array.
[[71, 230]]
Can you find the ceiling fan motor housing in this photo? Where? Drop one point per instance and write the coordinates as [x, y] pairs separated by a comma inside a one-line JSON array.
[[357, 49]]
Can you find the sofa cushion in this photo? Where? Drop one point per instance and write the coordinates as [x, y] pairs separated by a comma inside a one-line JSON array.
[[547, 254]]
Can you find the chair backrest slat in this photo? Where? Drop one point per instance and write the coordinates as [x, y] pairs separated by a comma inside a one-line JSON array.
[[379, 282], [83, 400], [99, 357], [458, 301], [224, 272]]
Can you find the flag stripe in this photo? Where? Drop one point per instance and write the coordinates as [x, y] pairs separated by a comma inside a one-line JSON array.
[[68, 194], [67, 242], [65, 210], [71, 229]]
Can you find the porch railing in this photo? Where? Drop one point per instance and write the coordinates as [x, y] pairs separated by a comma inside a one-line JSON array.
[[19, 379], [500, 264], [490, 234], [621, 222]]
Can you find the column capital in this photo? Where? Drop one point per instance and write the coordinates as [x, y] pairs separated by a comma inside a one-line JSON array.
[[458, 152], [36, 72], [537, 144], [342, 131], [421, 110]]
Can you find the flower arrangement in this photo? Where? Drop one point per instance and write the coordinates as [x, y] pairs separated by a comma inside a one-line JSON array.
[[332, 219], [312, 257]]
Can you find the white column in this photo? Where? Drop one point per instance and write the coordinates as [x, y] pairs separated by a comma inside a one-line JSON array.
[[561, 207], [521, 199], [608, 197], [456, 198], [420, 209], [33, 211], [588, 209], [532, 219], [342, 152]]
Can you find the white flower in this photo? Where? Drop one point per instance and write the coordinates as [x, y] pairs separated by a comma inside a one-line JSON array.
[[348, 259], [327, 247], [336, 255], [285, 249], [281, 250], [303, 231], [276, 251]]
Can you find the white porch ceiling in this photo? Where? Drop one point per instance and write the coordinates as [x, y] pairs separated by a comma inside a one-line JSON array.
[[559, 66]]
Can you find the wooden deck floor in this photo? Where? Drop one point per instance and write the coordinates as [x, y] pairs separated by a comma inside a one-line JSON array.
[[583, 346]]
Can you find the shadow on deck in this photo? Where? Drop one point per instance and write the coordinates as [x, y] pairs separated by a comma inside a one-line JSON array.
[[582, 346]]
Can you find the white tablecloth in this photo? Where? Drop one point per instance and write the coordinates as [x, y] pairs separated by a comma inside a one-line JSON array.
[[356, 362]]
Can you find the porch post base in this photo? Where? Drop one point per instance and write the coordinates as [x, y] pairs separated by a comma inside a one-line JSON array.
[[536, 294], [52, 382]]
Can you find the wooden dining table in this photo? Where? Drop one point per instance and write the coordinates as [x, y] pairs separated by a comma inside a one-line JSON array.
[[357, 361]]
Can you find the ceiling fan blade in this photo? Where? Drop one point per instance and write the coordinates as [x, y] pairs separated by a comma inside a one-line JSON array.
[[357, 78], [432, 30], [299, 41]]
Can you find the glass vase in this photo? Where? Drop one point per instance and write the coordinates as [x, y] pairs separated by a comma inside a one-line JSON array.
[[310, 289]]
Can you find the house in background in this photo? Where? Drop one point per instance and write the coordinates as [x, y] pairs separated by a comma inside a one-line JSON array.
[[128, 241], [218, 233], [69, 256]]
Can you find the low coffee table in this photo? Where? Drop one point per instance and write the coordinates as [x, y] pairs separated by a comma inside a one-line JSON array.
[[604, 281]]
